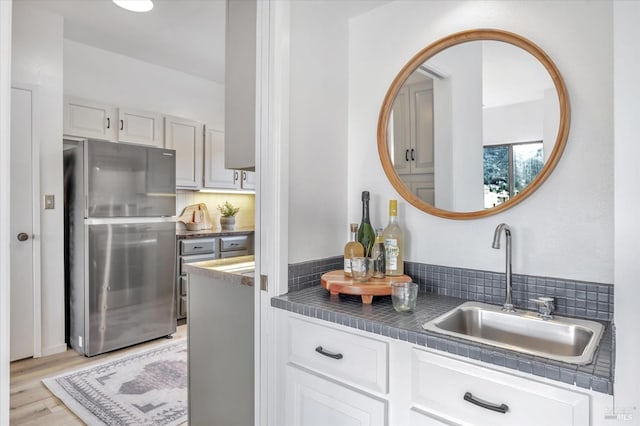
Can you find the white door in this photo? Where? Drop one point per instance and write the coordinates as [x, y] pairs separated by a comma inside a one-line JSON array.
[[21, 243]]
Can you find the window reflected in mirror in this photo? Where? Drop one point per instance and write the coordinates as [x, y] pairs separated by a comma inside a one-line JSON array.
[[508, 169]]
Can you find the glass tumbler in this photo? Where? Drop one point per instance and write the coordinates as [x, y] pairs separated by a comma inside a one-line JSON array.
[[403, 296], [361, 268]]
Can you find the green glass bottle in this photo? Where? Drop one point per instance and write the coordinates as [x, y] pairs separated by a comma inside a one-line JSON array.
[[366, 236]]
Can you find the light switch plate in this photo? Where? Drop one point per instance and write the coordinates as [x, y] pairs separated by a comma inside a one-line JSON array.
[[49, 202]]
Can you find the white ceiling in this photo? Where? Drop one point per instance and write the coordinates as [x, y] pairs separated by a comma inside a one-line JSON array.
[[185, 35]]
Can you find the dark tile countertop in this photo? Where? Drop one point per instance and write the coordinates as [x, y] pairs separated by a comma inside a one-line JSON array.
[[380, 318], [215, 232]]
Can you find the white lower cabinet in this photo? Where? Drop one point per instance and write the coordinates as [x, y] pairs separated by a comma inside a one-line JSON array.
[[334, 375], [313, 400], [464, 393]]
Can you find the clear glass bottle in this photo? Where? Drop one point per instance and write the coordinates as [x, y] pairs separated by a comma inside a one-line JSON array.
[[366, 236], [393, 242], [353, 248], [378, 255]]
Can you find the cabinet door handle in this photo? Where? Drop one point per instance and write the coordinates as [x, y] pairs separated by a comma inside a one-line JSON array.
[[121, 124], [329, 354], [502, 408], [235, 176], [108, 123], [406, 155], [413, 157], [244, 175]]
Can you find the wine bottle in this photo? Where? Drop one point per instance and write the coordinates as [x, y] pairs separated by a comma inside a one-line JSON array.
[[365, 233], [378, 255], [353, 248], [393, 242]]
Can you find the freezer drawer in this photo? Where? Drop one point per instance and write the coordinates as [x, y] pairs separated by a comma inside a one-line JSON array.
[[130, 293]]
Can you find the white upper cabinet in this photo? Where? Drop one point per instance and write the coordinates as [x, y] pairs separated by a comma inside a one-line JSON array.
[[89, 119], [186, 137], [95, 120], [140, 127], [215, 174], [240, 84]]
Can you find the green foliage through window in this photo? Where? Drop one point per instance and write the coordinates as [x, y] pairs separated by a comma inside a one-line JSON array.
[[508, 169]]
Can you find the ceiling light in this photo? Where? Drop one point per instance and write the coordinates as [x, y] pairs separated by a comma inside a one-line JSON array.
[[135, 5]]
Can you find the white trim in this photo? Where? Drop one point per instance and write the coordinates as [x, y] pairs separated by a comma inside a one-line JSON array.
[[55, 349], [272, 160], [35, 224], [5, 190]]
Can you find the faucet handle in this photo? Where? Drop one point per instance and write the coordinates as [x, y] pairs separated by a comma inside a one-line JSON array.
[[546, 306]]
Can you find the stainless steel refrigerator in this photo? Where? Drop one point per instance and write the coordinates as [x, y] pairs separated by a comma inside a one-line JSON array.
[[119, 244]]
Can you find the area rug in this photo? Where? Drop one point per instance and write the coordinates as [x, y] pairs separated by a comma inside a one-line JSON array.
[[146, 388]]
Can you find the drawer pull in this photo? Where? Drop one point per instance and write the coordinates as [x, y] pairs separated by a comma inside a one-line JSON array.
[[329, 354], [502, 408]]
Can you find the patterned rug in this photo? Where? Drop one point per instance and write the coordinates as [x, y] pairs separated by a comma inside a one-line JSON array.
[[146, 388]]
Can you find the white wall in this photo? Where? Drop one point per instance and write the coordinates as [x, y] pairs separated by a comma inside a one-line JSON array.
[[108, 77], [563, 230], [627, 175], [37, 60]]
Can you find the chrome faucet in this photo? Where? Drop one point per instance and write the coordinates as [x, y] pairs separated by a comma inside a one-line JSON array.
[[546, 306], [508, 304]]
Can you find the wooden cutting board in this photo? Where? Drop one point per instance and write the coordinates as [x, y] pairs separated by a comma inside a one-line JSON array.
[[338, 283]]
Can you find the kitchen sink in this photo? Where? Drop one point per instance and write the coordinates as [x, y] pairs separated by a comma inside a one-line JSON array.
[[564, 339]]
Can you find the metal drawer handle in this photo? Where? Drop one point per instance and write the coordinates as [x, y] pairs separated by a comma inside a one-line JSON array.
[[329, 354], [502, 408], [197, 247]]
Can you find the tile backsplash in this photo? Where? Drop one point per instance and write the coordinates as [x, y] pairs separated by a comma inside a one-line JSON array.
[[246, 202], [573, 298]]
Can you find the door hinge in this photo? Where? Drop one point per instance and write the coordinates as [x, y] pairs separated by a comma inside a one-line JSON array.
[[264, 283]]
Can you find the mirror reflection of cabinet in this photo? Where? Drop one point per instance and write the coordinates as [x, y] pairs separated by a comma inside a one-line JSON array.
[[411, 139]]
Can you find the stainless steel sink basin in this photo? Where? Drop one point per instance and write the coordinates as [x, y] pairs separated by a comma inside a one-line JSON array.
[[564, 339]]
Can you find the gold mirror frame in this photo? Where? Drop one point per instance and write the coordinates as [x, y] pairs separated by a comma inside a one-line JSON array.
[[423, 56]]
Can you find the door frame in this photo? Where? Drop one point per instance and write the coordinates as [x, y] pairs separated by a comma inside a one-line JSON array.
[[35, 225], [272, 194], [5, 180]]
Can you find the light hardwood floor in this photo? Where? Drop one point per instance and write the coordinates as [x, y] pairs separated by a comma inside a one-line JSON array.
[[31, 401]]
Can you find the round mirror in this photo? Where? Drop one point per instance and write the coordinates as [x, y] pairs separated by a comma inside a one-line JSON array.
[[473, 124]]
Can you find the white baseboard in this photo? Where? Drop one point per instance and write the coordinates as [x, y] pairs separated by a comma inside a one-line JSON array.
[[56, 349]]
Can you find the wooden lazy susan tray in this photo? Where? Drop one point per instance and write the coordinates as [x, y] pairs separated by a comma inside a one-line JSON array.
[[338, 283]]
